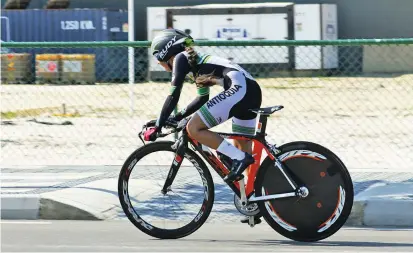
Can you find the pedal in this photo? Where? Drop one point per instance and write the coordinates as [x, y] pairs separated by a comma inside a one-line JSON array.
[[251, 221]]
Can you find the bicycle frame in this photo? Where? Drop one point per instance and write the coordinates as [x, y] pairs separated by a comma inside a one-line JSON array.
[[244, 192], [223, 171]]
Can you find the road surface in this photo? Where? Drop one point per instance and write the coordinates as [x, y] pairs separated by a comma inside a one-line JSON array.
[[58, 236]]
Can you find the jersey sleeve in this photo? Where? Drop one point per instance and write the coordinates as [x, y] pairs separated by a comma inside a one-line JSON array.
[[179, 71]]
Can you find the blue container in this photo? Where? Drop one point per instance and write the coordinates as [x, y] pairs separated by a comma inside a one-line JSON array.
[[72, 25]]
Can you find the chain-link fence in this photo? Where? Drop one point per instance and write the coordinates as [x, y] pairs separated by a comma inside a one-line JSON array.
[[72, 103]]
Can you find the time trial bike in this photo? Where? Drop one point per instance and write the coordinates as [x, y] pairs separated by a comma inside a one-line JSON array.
[[301, 189]]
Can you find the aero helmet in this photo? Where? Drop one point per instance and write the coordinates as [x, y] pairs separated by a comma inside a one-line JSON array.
[[168, 43]]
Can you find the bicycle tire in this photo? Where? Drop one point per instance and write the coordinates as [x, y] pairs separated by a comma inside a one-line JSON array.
[[134, 217], [280, 220]]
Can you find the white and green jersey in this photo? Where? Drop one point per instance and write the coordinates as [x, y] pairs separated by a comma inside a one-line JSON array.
[[240, 92]]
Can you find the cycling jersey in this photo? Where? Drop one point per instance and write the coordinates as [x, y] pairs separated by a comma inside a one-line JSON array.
[[241, 93]]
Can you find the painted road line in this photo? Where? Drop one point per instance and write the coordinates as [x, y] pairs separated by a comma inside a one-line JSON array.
[[25, 184], [47, 175], [14, 190], [23, 222]]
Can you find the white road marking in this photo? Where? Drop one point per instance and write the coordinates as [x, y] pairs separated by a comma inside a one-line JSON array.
[[25, 222], [30, 176], [398, 170], [160, 248], [14, 190], [379, 228], [28, 184]]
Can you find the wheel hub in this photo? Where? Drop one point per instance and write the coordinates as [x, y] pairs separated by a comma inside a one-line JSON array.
[[303, 192]]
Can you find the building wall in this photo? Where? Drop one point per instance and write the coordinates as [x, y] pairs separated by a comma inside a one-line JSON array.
[[356, 18], [390, 59]]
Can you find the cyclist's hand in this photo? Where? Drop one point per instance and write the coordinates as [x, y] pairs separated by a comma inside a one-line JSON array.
[[151, 123], [172, 120], [151, 134]]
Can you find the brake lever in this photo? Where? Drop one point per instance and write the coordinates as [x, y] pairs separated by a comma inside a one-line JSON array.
[[160, 134], [145, 126], [165, 134], [140, 137]]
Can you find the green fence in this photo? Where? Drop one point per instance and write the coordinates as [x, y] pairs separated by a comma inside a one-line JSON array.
[[71, 103]]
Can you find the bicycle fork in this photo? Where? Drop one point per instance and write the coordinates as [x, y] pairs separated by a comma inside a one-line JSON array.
[[180, 146]]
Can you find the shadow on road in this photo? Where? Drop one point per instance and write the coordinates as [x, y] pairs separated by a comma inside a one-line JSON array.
[[334, 243], [287, 242]]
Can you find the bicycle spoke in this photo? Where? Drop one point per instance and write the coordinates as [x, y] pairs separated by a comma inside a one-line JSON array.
[[176, 207], [178, 195], [164, 220], [176, 204]]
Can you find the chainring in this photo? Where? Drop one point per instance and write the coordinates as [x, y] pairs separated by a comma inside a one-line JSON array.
[[249, 210]]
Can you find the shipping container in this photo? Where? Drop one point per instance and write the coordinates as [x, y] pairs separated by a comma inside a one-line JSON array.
[[255, 21], [72, 25], [63, 25]]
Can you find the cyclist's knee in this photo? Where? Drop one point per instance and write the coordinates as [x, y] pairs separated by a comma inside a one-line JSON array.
[[195, 125], [244, 145]]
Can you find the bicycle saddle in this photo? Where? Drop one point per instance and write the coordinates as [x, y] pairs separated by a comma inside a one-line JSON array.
[[267, 110]]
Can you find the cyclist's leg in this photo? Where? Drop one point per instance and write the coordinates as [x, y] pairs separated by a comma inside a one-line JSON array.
[[246, 127], [217, 110], [244, 121], [199, 130]]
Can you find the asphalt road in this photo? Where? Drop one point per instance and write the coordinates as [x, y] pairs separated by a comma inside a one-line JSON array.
[[117, 236]]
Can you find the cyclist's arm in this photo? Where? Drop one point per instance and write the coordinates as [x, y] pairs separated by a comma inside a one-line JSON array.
[[180, 69], [199, 101]]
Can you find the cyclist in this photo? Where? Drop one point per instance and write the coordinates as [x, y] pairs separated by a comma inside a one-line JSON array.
[[173, 50]]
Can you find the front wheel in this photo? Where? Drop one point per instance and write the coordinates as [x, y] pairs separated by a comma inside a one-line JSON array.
[[326, 208], [185, 206]]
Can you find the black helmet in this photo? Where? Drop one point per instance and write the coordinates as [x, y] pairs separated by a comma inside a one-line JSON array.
[[170, 42]]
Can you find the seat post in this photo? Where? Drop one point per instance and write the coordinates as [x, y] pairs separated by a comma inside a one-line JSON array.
[[262, 124]]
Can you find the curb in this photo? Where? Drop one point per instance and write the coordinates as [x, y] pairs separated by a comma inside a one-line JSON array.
[[356, 217], [33, 207], [22, 207], [380, 205], [51, 209], [391, 212], [382, 212], [384, 204]]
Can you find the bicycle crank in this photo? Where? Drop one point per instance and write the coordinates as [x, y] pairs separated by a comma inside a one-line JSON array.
[[248, 210]]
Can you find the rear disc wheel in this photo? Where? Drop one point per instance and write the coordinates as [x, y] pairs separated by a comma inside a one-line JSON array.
[[328, 204]]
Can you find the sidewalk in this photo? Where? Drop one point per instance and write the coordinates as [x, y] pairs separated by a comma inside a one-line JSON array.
[[382, 198]]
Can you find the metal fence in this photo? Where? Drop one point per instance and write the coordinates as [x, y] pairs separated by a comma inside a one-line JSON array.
[[71, 103]]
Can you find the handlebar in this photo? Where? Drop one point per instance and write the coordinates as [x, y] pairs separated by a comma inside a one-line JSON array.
[[171, 124], [168, 124]]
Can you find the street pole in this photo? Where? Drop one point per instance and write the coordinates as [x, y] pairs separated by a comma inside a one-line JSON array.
[[131, 51]]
